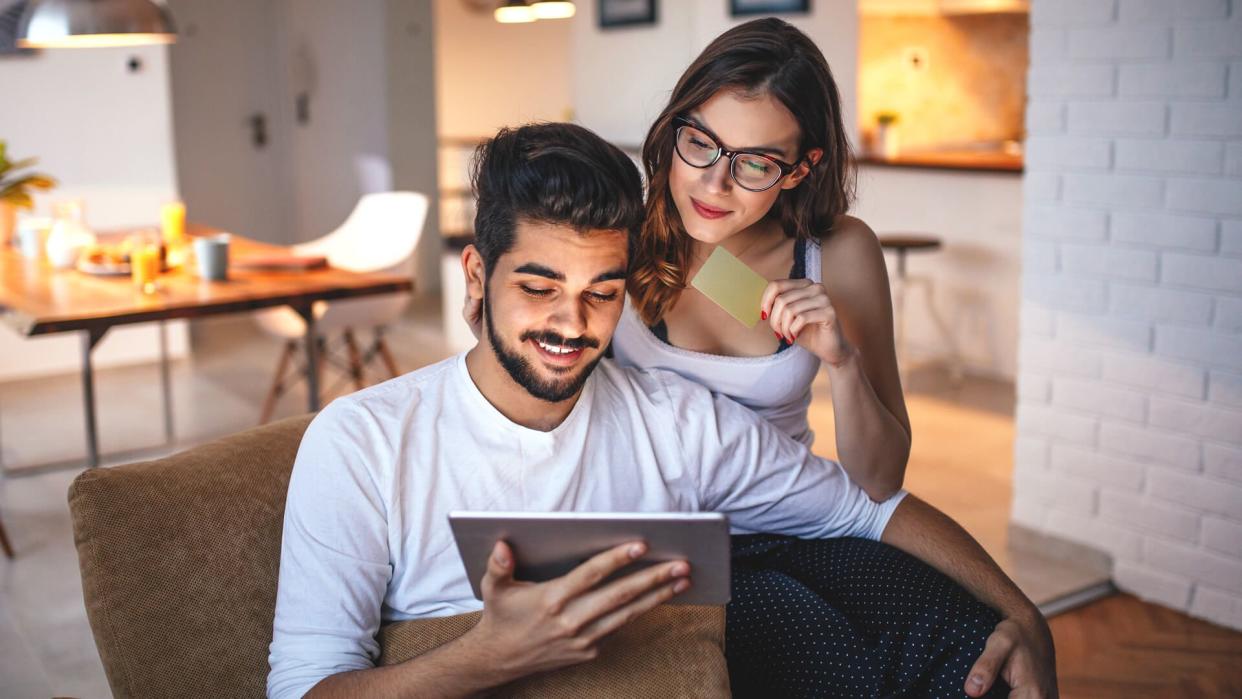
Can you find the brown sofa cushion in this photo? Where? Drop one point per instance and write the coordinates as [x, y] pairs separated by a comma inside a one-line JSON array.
[[667, 652], [179, 559]]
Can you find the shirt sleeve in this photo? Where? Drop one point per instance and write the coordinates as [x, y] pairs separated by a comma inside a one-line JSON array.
[[334, 558], [765, 480]]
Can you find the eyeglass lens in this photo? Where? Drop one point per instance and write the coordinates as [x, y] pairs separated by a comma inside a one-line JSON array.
[[753, 172]]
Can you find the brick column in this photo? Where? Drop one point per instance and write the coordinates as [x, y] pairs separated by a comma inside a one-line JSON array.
[[1130, 357]]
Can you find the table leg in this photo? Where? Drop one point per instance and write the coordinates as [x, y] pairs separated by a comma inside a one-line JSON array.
[[166, 384], [312, 356], [89, 340]]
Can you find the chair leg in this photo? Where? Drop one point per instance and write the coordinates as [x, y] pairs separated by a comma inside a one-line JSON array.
[[953, 353], [386, 355], [321, 357], [4, 542], [278, 382], [355, 361]]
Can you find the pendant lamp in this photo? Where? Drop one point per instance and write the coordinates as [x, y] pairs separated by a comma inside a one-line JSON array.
[[93, 23], [514, 12]]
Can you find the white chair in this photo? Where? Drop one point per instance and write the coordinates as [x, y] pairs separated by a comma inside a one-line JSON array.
[[380, 235]]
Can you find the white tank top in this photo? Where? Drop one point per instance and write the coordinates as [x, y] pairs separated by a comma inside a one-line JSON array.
[[777, 386]]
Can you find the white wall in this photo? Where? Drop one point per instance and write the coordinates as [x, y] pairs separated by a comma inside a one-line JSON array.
[[223, 71], [410, 56], [622, 77], [490, 75], [106, 134], [1130, 371], [336, 51]]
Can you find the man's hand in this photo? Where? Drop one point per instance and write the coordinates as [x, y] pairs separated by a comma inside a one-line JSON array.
[[1020, 651], [532, 627]]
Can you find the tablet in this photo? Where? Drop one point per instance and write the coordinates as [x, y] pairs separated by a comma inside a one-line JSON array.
[[547, 545]]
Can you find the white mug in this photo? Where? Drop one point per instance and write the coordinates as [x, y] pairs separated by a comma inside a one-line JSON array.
[[31, 235]]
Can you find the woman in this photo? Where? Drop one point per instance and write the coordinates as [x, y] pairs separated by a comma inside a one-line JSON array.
[[751, 155]]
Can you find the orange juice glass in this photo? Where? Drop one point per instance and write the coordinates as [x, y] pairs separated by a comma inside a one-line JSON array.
[[144, 264], [172, 220]]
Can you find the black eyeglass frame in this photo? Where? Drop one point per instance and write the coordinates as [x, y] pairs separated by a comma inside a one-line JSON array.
[[681, 122]]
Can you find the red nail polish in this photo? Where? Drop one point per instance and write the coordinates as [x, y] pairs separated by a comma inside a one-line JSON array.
[[763, 315], [778, 336]]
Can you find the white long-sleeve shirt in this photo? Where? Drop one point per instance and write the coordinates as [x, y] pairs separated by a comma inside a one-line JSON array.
[[366, 534]]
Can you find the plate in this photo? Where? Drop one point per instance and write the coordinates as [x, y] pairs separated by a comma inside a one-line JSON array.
[[104, 269]]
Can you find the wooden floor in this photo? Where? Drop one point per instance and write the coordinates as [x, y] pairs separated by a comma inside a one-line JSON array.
[[1123, 647]]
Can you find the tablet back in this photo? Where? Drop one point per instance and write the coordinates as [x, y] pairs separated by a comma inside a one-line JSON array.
[[548, 545]]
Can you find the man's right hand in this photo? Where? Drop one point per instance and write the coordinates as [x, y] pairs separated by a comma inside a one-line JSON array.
[[532, 627]]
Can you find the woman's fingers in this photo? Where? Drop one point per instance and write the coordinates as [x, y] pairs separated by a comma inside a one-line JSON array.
[[996, 651], [788, 305], [775, 289], [821, 316]]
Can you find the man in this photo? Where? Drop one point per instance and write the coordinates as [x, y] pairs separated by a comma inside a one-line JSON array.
[[532, 419]]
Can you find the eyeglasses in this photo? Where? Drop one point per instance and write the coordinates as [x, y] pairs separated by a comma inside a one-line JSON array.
[[754, 172]]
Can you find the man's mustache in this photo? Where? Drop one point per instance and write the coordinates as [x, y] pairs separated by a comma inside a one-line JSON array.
[[548, 337]]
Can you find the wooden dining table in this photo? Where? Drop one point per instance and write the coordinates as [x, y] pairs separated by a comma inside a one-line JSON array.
[[36, 299]]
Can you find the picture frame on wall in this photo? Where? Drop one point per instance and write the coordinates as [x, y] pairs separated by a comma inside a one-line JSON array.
[[743, 8], [626, 13], [10, 17]]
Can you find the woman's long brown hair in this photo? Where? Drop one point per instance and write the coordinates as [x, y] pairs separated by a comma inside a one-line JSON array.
[[762, 56]]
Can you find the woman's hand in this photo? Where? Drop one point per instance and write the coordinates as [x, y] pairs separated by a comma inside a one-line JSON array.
[[799, 311], [1020, 650]]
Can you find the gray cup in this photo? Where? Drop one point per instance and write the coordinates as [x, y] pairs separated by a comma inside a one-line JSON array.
[[213, 257]]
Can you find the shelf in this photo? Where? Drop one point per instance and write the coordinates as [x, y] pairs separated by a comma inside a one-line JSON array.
[[978, 161]]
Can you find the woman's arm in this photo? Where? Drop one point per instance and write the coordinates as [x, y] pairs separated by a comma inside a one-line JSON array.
[[848, 322]]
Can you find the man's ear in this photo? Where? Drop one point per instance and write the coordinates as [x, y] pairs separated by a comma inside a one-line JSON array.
[[804, 168], [476, 274]]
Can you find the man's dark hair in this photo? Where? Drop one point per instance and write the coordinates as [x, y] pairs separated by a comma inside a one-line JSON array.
[[560, 174]]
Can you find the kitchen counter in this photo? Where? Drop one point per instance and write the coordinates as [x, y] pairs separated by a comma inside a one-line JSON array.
[[977, 215], [972, 160]]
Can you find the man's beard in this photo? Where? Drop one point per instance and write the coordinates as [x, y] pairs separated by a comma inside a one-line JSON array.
[[524, 374]]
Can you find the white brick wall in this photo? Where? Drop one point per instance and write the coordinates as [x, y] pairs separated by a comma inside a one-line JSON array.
[[1130, 357]]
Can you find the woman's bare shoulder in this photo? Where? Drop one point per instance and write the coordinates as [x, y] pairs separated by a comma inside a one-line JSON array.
[[852, 253]]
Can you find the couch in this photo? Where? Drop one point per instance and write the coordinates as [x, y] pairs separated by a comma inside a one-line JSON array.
[[179, 560]]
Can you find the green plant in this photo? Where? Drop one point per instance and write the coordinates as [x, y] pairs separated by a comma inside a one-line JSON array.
[[14, 186], [886, 118]]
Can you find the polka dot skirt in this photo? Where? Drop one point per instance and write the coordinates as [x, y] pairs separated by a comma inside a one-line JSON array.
[[848, 618]]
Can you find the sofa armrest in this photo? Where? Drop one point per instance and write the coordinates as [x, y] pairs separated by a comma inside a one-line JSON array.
[[671, 651]]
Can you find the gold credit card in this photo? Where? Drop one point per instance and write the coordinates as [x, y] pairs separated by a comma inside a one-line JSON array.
[[732, 285]]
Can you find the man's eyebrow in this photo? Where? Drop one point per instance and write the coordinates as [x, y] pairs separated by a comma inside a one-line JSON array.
[[618, 273], [540, 271], [766, 150]]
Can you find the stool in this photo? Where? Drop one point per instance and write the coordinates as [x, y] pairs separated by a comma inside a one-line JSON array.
[[902, 244]]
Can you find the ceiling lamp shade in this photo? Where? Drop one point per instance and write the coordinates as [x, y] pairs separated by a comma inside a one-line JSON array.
[[514, 12], [553, 9], [49, 24]]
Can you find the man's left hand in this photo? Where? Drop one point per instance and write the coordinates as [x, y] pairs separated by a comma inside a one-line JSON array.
[[1020, 651]]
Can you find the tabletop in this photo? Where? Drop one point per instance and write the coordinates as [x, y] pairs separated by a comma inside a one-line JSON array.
[[36, 299]]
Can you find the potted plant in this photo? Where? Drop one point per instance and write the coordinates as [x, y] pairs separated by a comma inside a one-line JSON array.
[[15, 188], [886, 134]]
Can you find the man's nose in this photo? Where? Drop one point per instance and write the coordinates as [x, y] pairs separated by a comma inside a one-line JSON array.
[[569, 317]]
